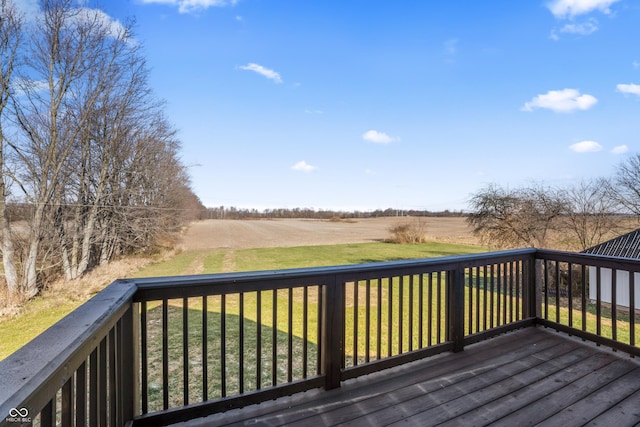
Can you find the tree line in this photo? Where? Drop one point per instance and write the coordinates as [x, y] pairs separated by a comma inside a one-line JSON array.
[[578, 216], [90, 163], [232, 212]]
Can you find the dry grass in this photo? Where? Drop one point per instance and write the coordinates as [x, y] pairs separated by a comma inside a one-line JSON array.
[[22, 320], [559, 238], [9, 304], [63, 292], [414, 231]]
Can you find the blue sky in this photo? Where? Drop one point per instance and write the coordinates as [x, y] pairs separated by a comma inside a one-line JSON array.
[[364, 104]]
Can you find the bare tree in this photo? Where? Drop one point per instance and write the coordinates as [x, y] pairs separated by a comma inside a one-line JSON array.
[[61, 52], [625, 186], [511, 218], [127, 187], [65, 47], [542, 206], [10, 30], [142, 196], [494, 216], [119, 84], [590, 213], [92, 158]]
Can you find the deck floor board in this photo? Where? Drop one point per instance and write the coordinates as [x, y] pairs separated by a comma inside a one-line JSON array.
[[526, 377], [597, 402]]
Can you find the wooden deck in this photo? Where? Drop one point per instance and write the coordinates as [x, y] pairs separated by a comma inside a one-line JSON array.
[[215, 333], [528, 377]]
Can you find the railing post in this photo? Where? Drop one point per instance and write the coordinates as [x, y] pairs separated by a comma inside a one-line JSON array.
[[332, 332], [455, 307], [531, 286], [536, 299], [129, 363]]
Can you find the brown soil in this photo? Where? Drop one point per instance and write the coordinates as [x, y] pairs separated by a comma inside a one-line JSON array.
[[238, 234]]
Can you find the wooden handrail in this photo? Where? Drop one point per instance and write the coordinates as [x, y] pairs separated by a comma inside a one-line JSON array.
[[30, 377]]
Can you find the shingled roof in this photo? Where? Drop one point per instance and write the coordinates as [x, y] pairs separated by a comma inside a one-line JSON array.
[[625, 246]]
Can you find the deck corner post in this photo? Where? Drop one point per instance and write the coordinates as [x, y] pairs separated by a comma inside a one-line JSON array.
[[536, 298], [531, 287], [332, 332], [129, 361], [455, 307]]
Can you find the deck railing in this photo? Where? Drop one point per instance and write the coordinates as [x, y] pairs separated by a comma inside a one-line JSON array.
[[162, 350], [590, 297]]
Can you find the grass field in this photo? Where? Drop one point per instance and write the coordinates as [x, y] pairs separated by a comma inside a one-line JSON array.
[[41, 313], [227, 260]]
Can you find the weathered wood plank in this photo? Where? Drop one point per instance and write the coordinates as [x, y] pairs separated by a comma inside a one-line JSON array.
[[410, 399], [625, 413], [494, 393], [597, 402], [522, 378], [360, 388], [483, 356], [573, 392]]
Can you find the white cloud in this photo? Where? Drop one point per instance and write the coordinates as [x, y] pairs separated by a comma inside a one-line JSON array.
[[561, 101], [115, 28], [563, 9], [266, 72], [570, 9], [30, 8], [636, 64], [631, 89], [620, 149], [303, 166], [189, 6], [378, 137], [583, 29], [586, 147], [23, 86]]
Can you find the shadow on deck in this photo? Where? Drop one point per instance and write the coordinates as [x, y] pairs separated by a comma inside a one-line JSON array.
[[527, 377]]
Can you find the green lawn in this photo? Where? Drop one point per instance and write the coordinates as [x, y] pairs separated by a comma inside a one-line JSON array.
[[225, 260], [38, 316], [41, 313]]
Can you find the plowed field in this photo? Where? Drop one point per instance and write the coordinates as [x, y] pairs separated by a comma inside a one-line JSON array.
[[238, 234]]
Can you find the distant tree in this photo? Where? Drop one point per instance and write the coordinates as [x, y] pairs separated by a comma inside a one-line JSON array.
[[590, 212], [625, 186], [511, 218]]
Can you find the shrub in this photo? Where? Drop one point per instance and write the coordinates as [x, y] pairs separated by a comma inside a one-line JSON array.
[[409, 232]]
